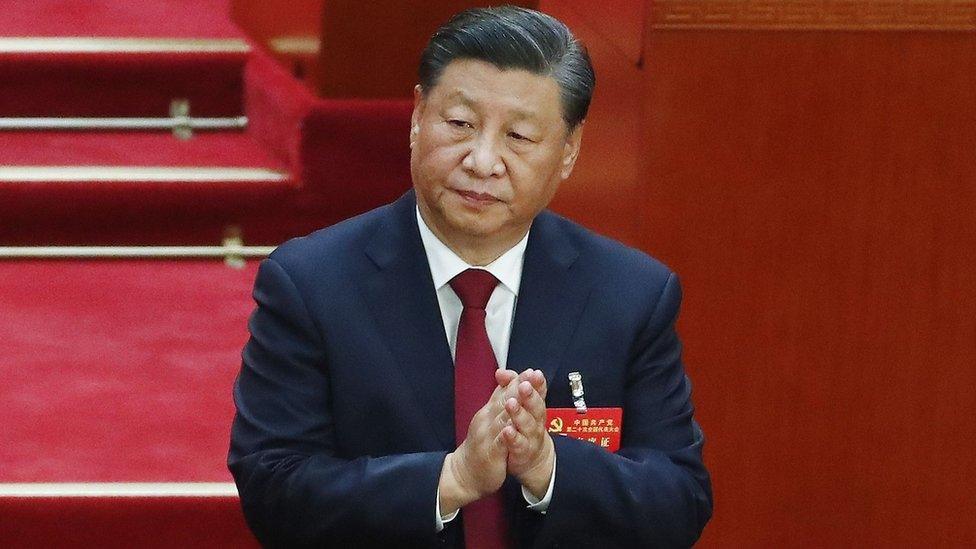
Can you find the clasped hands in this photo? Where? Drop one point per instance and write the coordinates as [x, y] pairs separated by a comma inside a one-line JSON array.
[[507, 436]]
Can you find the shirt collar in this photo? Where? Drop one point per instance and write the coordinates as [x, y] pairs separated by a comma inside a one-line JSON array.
[[445, 264]]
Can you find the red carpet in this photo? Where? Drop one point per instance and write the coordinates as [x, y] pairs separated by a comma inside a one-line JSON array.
[[124, 523], [134, 211], [119, 371], [120, 85], [135, 149], [176, 18]]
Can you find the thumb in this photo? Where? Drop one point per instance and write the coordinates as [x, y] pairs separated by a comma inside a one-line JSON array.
[[503, 377]]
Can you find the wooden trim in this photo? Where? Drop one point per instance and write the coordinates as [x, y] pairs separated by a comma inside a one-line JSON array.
[[295, 45], [935, 15]]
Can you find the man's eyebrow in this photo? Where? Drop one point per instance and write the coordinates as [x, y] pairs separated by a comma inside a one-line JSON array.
[[461, 97], [522, 114]]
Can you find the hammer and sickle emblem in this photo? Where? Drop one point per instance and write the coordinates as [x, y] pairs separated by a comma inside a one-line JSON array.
[[556, 425]]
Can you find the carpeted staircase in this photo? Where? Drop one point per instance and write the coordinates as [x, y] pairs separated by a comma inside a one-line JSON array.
[[149, 124], [166, 136]]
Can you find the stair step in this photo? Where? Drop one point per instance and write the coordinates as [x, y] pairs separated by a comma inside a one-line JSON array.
[[116, 402], [77, 82], [120, 371], [68, 522], [180, 18], [65, 148], [66, 188]]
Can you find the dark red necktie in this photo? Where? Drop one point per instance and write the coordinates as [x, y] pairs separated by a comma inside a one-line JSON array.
[[474, 381]]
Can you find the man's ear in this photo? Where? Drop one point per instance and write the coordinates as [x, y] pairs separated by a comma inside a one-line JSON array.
[[418, 110], [571, 150]]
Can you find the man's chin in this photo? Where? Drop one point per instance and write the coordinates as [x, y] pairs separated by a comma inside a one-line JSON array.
[[475, 226], [479, 231]]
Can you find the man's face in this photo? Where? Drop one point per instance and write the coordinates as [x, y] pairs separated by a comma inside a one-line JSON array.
[[489, 149]]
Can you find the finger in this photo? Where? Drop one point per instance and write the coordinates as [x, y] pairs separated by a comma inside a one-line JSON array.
[[488, 421], [500, 445], [511, 390], [499, 422], [521, 419], [496, 399], [495, 404], [507, 385], [516, 443], [539, 382], [537, 378], [532, 401]]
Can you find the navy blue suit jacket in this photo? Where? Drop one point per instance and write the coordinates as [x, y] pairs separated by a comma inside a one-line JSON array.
[[345, 395]]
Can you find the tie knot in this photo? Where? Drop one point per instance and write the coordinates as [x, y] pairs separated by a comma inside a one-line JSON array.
[[474, 287]]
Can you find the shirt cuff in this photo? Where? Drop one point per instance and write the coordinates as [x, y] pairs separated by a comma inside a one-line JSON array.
[[541, 505], [440, 521]]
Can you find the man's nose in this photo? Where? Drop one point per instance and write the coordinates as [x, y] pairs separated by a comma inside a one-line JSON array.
[[484, 160]]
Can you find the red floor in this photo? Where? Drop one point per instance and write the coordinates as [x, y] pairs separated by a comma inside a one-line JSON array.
[[119, 371], [158, 18]]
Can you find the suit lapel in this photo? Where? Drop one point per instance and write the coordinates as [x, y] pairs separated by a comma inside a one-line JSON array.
[[401, 297], [551, 298]]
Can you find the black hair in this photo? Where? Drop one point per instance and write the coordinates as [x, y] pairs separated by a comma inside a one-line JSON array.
[[511, 37]]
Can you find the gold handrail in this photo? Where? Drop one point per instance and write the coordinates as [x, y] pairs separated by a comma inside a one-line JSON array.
[[120, 123], [117, 489], [143, 174], [232, 254], [87, 44], [130, 252]]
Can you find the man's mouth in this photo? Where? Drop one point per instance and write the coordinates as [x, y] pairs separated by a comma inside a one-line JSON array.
[[472, 196]]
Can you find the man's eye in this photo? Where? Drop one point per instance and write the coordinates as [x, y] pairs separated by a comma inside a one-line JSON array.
[[459, 123], [518, 137]]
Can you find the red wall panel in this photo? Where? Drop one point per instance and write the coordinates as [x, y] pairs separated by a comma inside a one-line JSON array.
[[815, 190], [371, 49], [290, 30], [264, 19], [604, 191], [620, 23]]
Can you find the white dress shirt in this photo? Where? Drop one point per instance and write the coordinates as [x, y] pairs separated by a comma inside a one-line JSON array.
[[499, 313]]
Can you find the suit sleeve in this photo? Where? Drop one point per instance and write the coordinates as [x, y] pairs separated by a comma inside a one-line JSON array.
[[294, 489], [655, 491]]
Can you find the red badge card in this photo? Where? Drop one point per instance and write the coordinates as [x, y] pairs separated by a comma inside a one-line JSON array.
[[601, 426]]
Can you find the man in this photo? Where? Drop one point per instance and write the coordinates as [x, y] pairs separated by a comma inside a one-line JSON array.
[[378, 394]]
